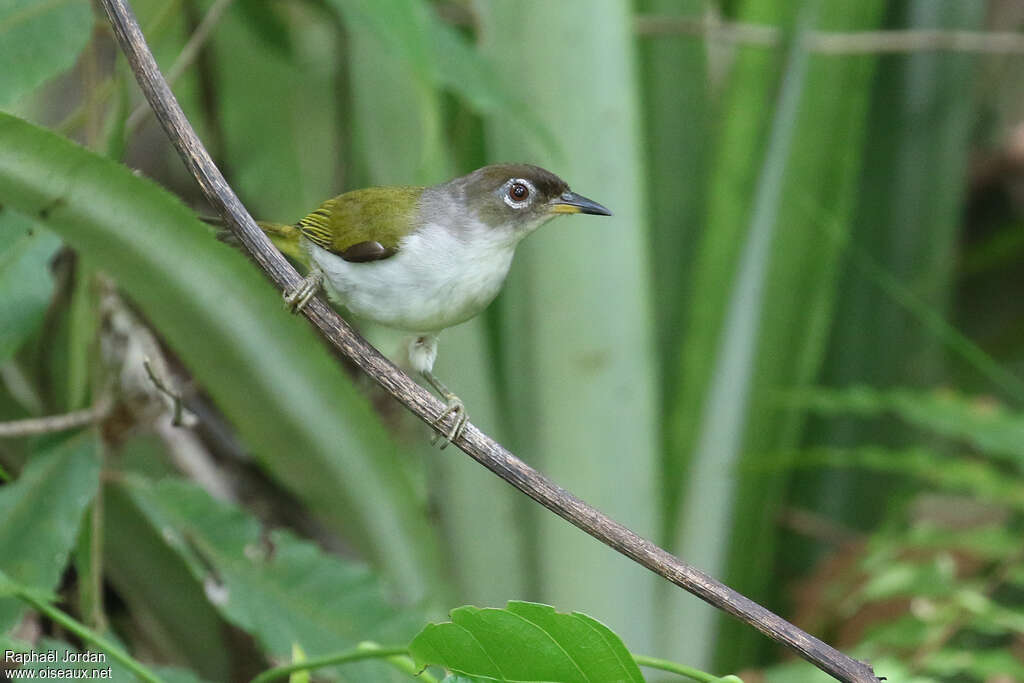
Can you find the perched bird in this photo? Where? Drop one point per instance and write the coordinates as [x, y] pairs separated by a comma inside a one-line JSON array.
[[420, 259]]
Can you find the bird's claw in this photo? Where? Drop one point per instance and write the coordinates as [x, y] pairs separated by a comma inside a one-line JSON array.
[[297, 298], [457, 409]]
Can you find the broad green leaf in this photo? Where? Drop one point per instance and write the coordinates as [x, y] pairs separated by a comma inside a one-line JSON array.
[[525, 642], [25, 281], [265, 369], [41, 513], [38, 40], [172, 617], [275, 586]]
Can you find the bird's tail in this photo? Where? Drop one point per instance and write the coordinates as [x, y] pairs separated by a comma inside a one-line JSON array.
[[285, 237]]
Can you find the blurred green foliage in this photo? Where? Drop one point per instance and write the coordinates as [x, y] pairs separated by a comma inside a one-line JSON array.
[[794, 356]]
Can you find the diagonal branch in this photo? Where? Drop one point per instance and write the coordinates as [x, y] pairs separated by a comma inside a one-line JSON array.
[[475, 443]]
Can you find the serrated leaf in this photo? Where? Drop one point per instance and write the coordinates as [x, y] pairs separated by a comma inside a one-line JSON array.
[[525, 642], [25, 281], [42, 39], [277, 587], [41, 512]]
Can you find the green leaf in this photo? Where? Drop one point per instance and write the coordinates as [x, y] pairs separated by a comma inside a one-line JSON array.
[[266, 369], [172, 617], [525, 642], [932, 579], [38, 40], [25, 281], [676, 88], [293, 167], [985, 424], [975, 664], [440, 56], [41, 512], [979, 478], [281, 589], [298, 656]]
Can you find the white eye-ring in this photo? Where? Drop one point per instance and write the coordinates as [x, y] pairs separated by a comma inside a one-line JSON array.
[[517, 192]]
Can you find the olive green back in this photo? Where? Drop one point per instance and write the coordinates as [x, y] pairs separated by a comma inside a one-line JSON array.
[[375, 214]]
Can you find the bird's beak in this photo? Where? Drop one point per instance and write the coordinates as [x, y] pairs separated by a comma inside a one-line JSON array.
[[570, 202]]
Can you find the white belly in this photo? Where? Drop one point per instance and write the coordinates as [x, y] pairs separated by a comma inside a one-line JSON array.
[[436, 279]]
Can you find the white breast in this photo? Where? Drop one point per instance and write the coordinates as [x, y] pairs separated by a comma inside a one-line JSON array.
[[437, 279]]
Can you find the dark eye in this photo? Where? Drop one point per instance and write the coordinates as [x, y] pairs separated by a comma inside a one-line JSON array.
[[517, 192]]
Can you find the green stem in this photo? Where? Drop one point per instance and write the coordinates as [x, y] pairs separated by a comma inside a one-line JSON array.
[[86, 634], [408, 665], [361, 652], [682, 670]]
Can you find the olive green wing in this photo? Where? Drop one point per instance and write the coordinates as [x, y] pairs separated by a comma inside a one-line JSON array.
[[363, 225]]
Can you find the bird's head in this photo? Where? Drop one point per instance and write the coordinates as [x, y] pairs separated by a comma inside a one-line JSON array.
[[518, 198]]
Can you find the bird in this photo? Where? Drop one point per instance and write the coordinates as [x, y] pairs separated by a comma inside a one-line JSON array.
[[422, 259]]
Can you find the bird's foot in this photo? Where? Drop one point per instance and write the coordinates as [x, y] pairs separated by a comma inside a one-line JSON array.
[[457, 410], [297, 298]]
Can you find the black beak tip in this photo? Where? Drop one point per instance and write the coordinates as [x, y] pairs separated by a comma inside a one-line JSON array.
[[584, 205]]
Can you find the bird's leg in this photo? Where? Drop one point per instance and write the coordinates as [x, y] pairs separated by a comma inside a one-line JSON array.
[[422, 353], [456, 408], [297, 298]]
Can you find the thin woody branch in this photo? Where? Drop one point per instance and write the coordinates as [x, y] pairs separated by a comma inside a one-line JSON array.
[[56, 423], [475, 443]]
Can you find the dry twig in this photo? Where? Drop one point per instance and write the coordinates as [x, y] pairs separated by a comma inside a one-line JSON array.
[[56, 423]]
